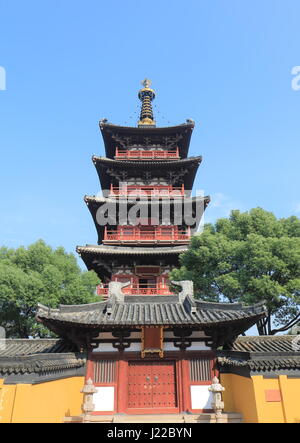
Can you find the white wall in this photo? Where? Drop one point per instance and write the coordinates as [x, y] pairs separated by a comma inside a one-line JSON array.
[[104, 398], [201, 397]]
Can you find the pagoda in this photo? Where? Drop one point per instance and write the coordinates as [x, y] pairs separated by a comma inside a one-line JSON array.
[[151, 346]]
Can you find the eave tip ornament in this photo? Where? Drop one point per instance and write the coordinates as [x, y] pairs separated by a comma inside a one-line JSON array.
[[146, 95]]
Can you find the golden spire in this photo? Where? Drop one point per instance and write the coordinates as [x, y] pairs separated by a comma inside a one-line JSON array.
[[146, 95]]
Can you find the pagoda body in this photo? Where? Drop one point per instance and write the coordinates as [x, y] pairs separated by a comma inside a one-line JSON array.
[[151, 348], [146, 215]]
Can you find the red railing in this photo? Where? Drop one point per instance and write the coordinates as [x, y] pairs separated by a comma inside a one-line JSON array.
[[155, 233], [146, 154], [166, 191], [158, 289]]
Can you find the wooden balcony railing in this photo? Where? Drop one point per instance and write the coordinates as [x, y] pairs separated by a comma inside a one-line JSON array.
[[143, 154], [160, 234], [161, 191], [158, 289]]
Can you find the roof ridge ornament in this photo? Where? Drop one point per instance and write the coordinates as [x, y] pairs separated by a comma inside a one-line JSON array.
[[146, 95], [146, 83]]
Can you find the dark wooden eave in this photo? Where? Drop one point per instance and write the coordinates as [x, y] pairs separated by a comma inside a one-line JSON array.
[[99, 257], [112, 133], [176, 172]]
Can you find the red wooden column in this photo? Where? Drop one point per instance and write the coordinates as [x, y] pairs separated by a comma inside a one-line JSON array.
[[186, 385], [122, 386]]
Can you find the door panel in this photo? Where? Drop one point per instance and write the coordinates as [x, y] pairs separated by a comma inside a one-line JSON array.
[[151, 385]]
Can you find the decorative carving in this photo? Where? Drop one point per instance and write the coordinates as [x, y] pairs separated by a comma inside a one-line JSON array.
[[122, 141], [84, 340], [147, 177], [175, 176], [183, 342], [187, 287], [103, 264], [121, 344], [121, 176], [115, 290], [171, 142]]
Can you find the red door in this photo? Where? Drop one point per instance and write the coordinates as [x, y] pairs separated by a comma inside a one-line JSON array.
[[151, 386]]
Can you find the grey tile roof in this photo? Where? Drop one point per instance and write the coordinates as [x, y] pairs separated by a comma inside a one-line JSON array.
[[41, 357], [44, 363], [151, 310], [22, 347], [268, 343], [121, 250], [264, 354], [270, 364], [102, 200], [147, 164]]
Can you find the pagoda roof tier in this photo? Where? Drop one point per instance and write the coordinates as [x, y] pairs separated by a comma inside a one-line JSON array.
[[198, 204], [221, 321], [99, 257], [124, 136], [119, 250], [176, 172]]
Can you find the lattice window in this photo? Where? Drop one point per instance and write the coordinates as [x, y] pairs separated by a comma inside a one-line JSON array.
[[200, 369], [104, 371]]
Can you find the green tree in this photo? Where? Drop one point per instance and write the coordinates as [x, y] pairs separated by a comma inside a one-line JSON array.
[[249, 257], [35, 275]]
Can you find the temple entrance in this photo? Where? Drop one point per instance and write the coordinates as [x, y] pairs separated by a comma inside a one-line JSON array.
[[151, 386]]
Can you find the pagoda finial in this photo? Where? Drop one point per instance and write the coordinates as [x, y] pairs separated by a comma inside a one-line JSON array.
[[146, 95]]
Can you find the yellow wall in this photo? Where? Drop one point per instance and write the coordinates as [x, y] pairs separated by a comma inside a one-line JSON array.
[[50, 402], [239, 396], [47, 402], [247, 396]]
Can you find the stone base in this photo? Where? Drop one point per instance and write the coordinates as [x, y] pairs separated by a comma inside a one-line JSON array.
[[228, 417]]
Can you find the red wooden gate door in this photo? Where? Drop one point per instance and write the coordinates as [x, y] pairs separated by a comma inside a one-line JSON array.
[[151, 386]]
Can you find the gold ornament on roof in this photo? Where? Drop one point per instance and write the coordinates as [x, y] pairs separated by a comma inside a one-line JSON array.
[[146, 95]]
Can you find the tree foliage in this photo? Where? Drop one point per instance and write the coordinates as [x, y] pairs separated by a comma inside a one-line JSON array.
[[249, 257], [35, 275]]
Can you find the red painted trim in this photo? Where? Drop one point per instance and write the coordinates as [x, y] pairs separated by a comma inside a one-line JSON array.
[[183, 383]]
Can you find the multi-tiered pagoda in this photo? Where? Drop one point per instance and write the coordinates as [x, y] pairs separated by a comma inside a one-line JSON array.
[[150, 348]]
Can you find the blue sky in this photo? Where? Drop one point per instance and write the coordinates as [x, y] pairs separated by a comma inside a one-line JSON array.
[[226, 64]]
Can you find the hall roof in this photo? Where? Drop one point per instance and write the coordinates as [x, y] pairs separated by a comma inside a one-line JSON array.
[[132, 311], [37, 360], [114, 135]]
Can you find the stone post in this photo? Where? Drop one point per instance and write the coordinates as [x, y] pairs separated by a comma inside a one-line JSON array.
[[88, 406], [217, 404]]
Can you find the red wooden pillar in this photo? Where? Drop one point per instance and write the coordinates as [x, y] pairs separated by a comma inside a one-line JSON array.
[[186, 400], [122, 386]]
